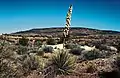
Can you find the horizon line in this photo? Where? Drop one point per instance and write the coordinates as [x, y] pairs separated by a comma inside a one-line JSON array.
[[58, 27]]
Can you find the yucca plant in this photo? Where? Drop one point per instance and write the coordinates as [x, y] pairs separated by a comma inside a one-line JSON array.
[[64, 63]]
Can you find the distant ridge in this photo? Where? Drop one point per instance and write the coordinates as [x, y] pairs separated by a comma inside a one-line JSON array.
[[56, 31]]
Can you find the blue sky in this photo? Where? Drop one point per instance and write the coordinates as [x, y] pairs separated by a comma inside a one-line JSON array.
[[16, 15]]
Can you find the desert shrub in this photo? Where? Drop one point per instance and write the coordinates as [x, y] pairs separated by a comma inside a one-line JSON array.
[[7, 71], [23, 41], [2, 43], [22, 50], [106, 54], [91, 55], [38, 43], [48, 49], [51, 41], [63, 62], [96, 44], [61, 40], [6, 52], [40, 52], [103, 47], [43, 62], [7, 65], [76, 51], [71, 46], [30, 64]]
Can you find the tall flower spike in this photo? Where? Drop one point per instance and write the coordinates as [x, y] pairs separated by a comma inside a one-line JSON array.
[[68, 22], [67, 25]]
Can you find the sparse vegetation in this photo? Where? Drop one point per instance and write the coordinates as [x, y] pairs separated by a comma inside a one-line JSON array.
[[23, 41], [24, 60], [30, 64]]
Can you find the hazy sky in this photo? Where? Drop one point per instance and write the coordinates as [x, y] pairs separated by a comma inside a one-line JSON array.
[[18, 15]]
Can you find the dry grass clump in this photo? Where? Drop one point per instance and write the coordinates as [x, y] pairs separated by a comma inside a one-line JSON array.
[[19, 65]]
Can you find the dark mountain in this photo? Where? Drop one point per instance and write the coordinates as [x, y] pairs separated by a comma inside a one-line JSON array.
[[76, 31]]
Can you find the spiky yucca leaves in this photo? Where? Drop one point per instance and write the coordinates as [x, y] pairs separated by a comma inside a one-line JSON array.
[[64, 63]]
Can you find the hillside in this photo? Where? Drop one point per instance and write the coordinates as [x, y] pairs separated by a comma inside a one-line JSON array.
[[76, 31]]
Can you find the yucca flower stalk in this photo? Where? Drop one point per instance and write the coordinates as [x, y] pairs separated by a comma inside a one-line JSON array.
[[68, 23]]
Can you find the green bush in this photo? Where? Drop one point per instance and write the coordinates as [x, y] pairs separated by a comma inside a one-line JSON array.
[[76, 51], [61, 40], [91, 55], [106, 54], [23, 41], [51, 41], [38, 43], [48, 49], [22, 50], [30, 64], [71, 46], [63, 62]]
